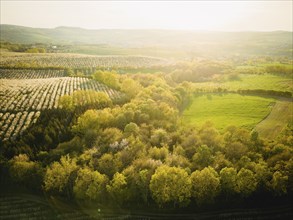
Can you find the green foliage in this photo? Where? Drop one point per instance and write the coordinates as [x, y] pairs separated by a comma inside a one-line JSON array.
[[158, 153], [246, 182], [175, 160], [90, 185], [59, 175], [184, 95], [109, 78], [130, 87], [84, 99], [202, 158], [68, 72], [131, 129], [66, 102], [279, 183], [107, 165], [205, 185], [89, 120], [263, 175], [198, 71], [279, 69], [117, 188], [228, 177], [235, 150], [110, 138], [92, 120], [27, 48], [97, 99], [142, 181], [74, 145], [139, 176], [171, 185], [159, 137], [26, 172], [36, 50]]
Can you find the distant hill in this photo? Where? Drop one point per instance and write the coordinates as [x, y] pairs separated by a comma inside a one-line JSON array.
[[278, 42]]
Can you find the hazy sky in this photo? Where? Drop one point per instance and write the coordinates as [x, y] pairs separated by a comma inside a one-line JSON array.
[[197, 15]]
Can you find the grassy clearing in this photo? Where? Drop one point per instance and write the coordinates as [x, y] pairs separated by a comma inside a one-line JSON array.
[[281, 114], [228, 109], [253, 81]]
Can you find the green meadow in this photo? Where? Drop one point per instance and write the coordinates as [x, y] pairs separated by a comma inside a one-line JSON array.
[[252, 81], [228, 109], [266, 82]]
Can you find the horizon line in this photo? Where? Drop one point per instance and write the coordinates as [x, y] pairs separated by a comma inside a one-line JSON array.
[[145, 29]]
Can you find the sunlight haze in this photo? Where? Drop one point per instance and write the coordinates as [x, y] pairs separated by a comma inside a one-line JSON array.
[[146, 109], [183, 15]]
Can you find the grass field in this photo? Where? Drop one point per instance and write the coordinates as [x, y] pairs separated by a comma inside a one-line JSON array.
[[228, 109], [253, 81], [267, 82], [281, 114]]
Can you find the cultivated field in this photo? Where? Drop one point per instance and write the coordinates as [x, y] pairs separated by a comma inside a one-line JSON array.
[[281, 114], [76, 60], [228, 109], [24, 97], [29, 73]]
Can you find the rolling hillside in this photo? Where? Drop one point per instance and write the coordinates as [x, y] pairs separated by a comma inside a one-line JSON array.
[[195, 42]]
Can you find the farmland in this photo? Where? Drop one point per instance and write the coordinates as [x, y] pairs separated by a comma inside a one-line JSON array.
[[75, 60], [29, 73], [252, 82], [228, 109], [276, 89], [265, 82], [279, 117], [27, 92]]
